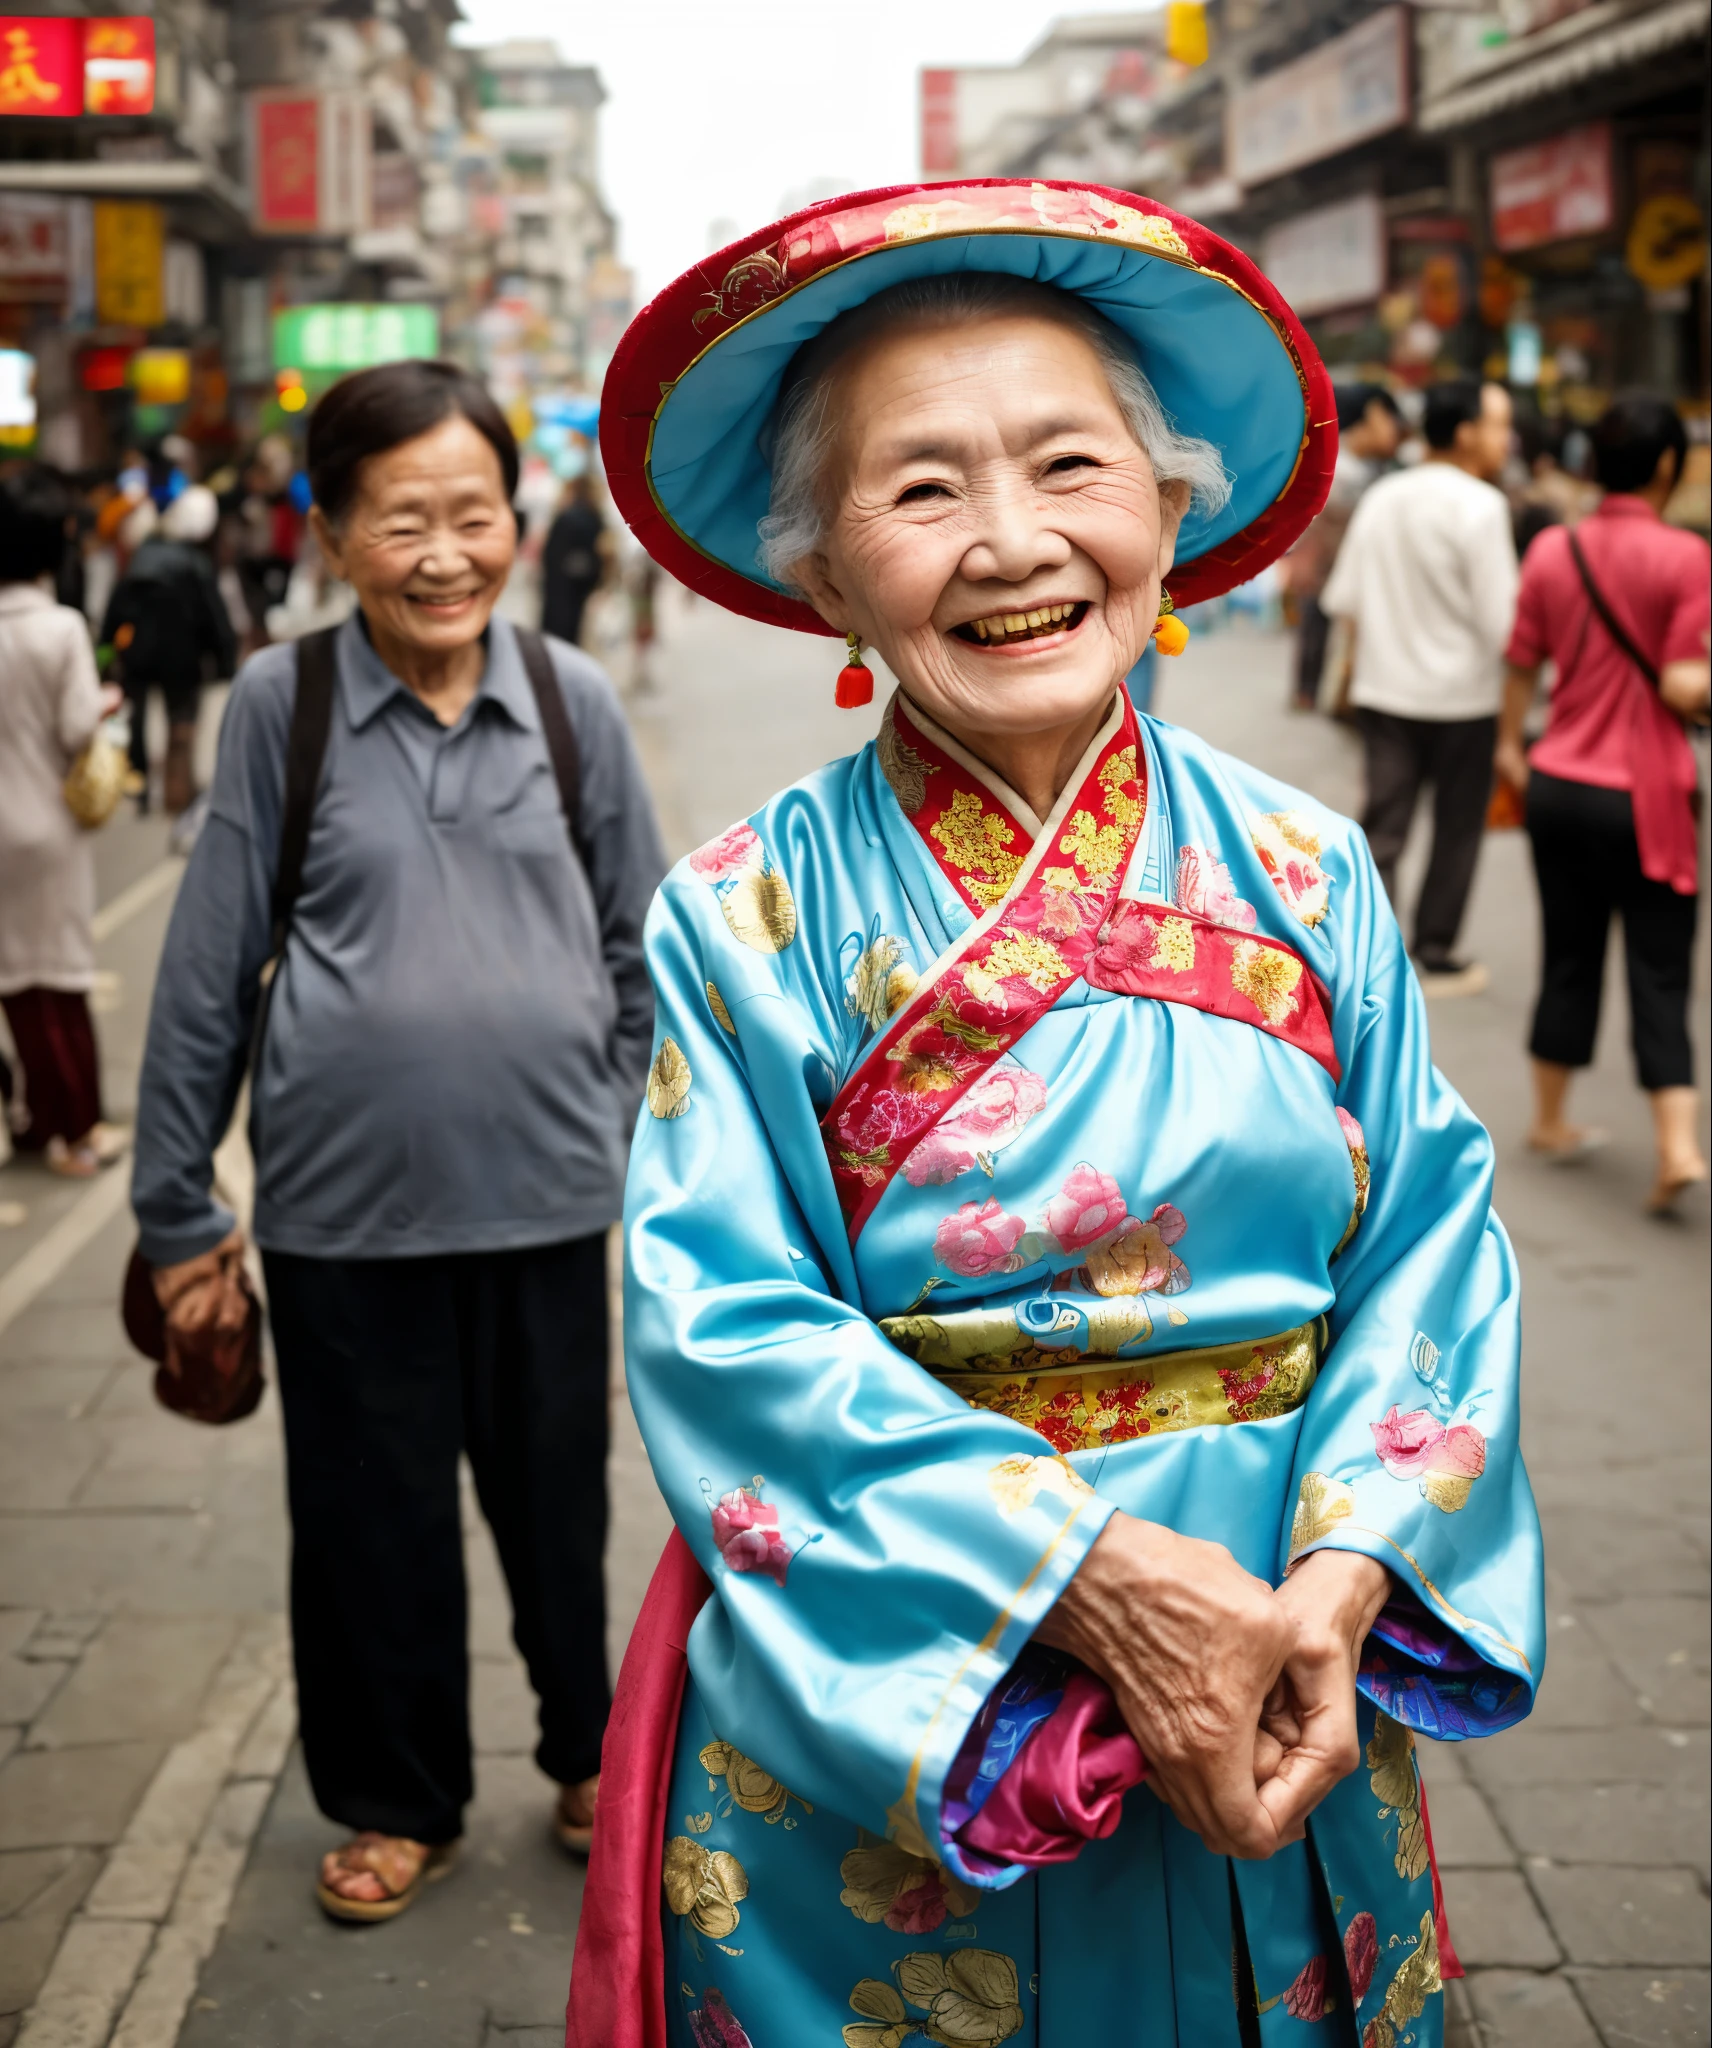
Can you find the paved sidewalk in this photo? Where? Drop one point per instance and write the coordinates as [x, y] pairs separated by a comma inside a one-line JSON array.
[[143, 1717]]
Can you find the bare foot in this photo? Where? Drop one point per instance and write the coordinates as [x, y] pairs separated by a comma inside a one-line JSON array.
[[573, 1816], [71, 1162], [1674, 1181], [1563, 1143], [372, 1868]]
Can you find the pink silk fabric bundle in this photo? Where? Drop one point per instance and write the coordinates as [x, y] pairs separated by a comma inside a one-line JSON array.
[[1067, 1785]]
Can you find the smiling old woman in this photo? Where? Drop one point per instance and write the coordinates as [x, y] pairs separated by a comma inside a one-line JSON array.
[[1065, 1310]]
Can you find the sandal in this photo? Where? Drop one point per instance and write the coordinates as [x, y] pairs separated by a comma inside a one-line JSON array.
[[71, 1162], [400, 1866], [574, 1836]]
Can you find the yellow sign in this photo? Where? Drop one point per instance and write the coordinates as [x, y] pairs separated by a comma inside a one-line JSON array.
[[161, 376], [1186, 31], [1667, 241], [130, 263]]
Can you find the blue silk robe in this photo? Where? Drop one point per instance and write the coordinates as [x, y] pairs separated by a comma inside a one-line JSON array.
[[881, 1550]]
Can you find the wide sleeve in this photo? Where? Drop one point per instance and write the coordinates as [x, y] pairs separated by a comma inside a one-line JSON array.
[[1409, 1448], [880, 1552], [208, 985]]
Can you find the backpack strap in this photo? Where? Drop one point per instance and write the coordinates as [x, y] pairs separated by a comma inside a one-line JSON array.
[[559, 733], [305, 750], [1607, 617]]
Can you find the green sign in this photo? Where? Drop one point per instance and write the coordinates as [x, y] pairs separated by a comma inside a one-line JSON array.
[[328, 340]]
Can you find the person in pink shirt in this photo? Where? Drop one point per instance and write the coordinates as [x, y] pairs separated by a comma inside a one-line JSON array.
[[1619, 604]]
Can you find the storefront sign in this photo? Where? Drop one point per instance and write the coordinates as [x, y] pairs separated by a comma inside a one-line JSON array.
[[309, 162], [329, 340], [1334, 256], [1666, 244], [41, 64], [17, 396], [130, 263], [35, 250], [1354, 87], [119, 64], [1553, 190], [938, 123]]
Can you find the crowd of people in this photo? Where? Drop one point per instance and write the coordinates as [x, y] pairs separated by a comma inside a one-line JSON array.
[[1524, 630]]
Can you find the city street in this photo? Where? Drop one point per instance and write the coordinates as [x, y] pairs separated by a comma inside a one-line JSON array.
[[157, 1839]]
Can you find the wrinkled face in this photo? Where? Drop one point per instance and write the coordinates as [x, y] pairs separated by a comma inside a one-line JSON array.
[[429, 540], [996, 531]]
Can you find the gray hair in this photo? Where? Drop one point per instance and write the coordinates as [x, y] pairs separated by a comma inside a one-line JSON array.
[[804, 427]]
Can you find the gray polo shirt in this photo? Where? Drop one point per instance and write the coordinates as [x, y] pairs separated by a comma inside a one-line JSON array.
[[460, 1027]]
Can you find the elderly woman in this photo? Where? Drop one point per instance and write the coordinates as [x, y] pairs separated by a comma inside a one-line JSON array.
[[435, 829], [1065, 1309]]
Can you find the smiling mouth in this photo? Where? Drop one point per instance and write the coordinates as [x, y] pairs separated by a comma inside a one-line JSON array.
[[1008, 629]]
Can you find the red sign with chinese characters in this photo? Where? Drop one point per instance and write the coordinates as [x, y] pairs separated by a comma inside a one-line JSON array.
[[119, 64], [41, 64], [1553, 190], [287, 138]]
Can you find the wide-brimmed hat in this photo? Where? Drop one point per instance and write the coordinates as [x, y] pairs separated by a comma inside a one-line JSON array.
[[695, 381]]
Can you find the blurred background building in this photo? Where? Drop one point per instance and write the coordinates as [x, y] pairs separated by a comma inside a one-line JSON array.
[[210, 210], [1518, 189]]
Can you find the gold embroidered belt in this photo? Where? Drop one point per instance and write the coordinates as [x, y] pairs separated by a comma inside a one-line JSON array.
[[1081, 1400]]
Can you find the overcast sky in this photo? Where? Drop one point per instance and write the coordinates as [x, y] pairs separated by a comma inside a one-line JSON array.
[[732, 110]]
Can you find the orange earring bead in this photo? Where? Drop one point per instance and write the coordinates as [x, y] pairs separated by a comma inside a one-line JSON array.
[[1170, 635], [855, 679]]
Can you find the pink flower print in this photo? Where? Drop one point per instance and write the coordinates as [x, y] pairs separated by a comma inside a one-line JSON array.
[[1204, 886], [920, 1908], [1406, 1443], [1353, 1135], [746, 1531], [1087, 1207], [1306, 1998], [978, 1240], [1361, 1953], [1462, 1454], [1139, 1259], [993, 1113], [729, 854], [714, 2025]]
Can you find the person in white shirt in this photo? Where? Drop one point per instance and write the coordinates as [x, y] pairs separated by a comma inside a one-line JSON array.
[[1427, 576]]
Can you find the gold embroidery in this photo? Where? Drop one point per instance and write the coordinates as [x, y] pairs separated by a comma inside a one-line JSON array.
[[1447, 1490], [1174, 945], [876, 1873], [721, 1015], [669, 1081], [1295, 831], [1266, 977], [869, 988], [761, 911], [903, 768], [1097, 849], [1418, 1977], [1320, 1505], [1125, 809], [751, 1788], [1016, 1482], [703, 1886], [903, 1826], [1391, 1763], [901, 984], [970, 1997], [975, 840], [1149, 230], [1021, 955]]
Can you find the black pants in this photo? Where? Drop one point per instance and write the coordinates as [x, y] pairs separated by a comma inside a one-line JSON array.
[[1455, 756], [1313, 631], [1588, 866], [388, 1368]]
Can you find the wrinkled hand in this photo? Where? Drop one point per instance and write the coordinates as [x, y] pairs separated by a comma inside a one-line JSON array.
[[206, 1292], [1192, 1647], [1332, 1599]]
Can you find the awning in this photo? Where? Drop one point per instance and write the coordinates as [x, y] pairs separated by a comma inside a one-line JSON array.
[[1524, 77]]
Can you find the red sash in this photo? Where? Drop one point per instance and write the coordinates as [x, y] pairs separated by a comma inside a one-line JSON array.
[[1042, 907]]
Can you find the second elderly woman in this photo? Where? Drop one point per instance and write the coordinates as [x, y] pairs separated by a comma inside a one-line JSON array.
[[1065, 1309], [448, 1062]]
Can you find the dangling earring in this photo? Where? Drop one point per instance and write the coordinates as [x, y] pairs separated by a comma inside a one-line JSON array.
[[855, 679], [1170, 635]]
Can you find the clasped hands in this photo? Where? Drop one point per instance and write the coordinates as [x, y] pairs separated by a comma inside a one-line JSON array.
[[1242, 1697]]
